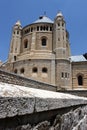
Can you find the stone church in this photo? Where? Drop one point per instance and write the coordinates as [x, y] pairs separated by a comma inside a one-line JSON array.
[[41, 51]]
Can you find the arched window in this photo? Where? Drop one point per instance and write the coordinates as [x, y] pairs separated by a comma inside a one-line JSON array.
[[26, 43], [58, 24], [15, 71], [35, 70], [22, 70], [14, 58], [80, 80], [44, 70], [44, 41]]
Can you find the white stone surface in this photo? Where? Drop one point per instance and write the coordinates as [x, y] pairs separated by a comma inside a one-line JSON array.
[[10, 90], [19, 100]]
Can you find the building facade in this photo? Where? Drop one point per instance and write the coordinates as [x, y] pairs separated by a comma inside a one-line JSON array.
[[41, 51]]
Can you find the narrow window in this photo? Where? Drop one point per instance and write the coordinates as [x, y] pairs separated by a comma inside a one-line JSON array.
[[41, 28], [37, 28], [44, 28], [14, 58], [35, 70], [62, 75], [17, 32], [44, 70], [80, 80], [65, 75], [22, 70], [25, 43], [44, 42], [62, 24], [50, 28]]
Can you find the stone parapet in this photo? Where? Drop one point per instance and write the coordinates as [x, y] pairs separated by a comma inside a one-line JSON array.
[[21, 105]]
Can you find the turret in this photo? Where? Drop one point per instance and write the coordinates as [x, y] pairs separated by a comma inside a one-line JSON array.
[[15, 42], [61, 50], [60, 38]]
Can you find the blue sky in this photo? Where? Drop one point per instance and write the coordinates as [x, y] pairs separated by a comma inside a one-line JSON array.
[[27, 11]]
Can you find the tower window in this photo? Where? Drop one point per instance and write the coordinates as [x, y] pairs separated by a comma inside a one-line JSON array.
[[62, 75], [25, 43], [44, 70], [14, 58], [35, 70], [17, 32], [80, 80], [22, 70], [62, 24], [44, 42]]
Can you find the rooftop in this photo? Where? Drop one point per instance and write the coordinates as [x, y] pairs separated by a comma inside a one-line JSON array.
[[78, 58], [43, 19]]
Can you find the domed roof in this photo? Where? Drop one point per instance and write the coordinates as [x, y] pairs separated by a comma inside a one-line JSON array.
[[43, 19]]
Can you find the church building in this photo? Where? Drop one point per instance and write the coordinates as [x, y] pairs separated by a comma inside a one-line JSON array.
[[41, 51]]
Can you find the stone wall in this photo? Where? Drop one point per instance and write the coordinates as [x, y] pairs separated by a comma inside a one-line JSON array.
[[19, 80], [29, 65], [79, 68], [63, 74], [73, 120]]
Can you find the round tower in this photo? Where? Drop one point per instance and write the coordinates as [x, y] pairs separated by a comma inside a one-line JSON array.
[[60, 38], [15, 42], [61, 48]]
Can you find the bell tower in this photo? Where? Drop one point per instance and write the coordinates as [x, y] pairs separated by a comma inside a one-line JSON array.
[[61, 45], [61, 48], [15, 42]]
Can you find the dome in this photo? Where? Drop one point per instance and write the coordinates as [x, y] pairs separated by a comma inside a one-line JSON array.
[[43, 19]]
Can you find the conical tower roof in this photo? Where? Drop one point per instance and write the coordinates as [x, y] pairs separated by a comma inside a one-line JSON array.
[[18, 23], [59, 14]]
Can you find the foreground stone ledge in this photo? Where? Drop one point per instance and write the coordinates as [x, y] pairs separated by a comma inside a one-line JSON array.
[[19, 100]]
